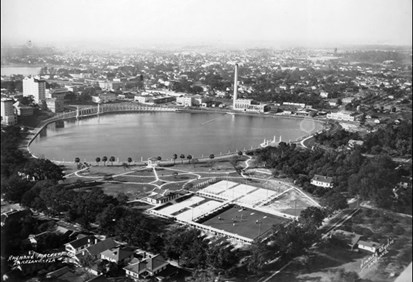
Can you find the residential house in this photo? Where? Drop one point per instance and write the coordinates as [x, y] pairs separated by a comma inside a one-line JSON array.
[[322, 181], [118, 255], [147, 268], [352, 143], [368, 246], [98, 248], [350, 238], [80, 245]]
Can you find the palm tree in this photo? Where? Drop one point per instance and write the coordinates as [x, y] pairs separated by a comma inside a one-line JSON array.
[[77, 161], [174, 157], [239, 153], [97, 160], [129, 160], [189, 157], [112, 159], [104, 160], [212, 156], [182, 156], [159, 158]]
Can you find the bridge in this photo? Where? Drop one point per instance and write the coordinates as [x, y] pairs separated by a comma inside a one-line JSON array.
[[99, 110]]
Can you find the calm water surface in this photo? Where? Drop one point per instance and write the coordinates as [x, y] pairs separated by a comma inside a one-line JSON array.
[[162, 134]]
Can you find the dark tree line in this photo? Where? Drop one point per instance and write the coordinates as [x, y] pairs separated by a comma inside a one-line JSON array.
[[372, 179]]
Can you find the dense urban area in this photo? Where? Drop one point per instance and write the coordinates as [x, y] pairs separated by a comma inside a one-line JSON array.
[[345, 191]]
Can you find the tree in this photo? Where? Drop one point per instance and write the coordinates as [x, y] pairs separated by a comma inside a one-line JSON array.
[[211, 157], [112, 159], [77, 160], [97, 160], [333, 201], [189, 157], [159, 158], [195, 161], [182, 156], [129, 160], [104, 160], [174, 157], [41, 169], [312, 216]]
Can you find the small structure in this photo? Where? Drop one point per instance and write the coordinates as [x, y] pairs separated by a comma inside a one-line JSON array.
[[369, 246], [80, 245], [146, 269], [98, 248], [161, 197], [322, 181], [117, 255], [353, 143]]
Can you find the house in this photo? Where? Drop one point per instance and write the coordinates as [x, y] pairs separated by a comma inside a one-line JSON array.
[[162, 196], [100, 247], [369, 246], [322, 181], [350, 238], [79, 245], [352, 143], [353, 240], [117, 255], [147, 268]]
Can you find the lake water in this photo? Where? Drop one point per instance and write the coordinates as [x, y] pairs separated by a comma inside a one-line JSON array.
[[20, 70], [162, 134]]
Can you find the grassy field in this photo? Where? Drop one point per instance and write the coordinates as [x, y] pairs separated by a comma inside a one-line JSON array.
[[328, 260], [131, 190]]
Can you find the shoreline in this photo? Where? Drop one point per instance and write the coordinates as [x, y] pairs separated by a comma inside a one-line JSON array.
[[25, 145]]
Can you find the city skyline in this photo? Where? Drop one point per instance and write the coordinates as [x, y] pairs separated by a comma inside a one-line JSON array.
[[134, 23]]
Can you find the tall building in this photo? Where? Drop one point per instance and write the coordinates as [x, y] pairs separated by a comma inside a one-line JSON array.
[[246, 105], [34, 87], [8, 116]]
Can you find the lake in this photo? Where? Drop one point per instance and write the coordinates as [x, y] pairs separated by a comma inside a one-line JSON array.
[[143, 135], [20, 70]]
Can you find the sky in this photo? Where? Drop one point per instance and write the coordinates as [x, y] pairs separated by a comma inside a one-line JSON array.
[[208, 21]]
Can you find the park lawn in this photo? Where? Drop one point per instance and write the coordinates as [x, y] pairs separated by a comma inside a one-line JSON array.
[[142, 172], [131, 190], [137, 179], [173, 186], [179, 177]]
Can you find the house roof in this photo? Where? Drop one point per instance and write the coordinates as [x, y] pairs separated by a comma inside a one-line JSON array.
[[148, 265], [102, 246], [117, 254], [369, 244], [81, 241], [352, 238], [322, 178]]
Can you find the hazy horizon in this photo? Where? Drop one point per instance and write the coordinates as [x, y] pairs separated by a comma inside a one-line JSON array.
[[266, 23]]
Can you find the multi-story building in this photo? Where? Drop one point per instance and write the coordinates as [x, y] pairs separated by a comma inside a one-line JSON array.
[[34, 87], [8, 115], [248, 105], [185, 101], [55, 105], [346, 116]]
